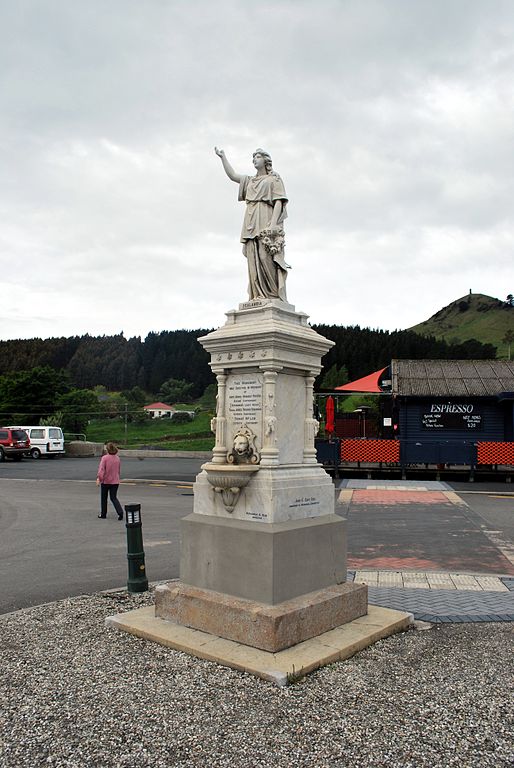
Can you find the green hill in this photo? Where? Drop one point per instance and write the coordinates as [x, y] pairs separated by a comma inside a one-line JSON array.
[[475, 316]]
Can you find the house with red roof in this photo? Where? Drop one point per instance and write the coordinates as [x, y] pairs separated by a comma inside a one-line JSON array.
[[158, 410]]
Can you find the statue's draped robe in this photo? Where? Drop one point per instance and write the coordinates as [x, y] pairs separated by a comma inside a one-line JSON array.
[[267, 274]]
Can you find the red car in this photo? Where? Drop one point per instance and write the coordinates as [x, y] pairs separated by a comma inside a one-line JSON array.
[[14, 444]]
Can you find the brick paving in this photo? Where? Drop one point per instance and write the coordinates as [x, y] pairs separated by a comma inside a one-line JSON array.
[[419, 548], [398, 496], [443, 606], [417, 526], [395, 485], [472, 598]]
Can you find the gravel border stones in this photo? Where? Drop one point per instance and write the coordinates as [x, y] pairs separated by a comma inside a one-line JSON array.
[[74, 693]]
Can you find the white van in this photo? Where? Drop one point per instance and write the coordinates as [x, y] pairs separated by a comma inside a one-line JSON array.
[[45, 441]]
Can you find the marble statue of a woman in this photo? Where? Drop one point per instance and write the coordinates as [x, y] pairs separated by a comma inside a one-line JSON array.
[[262, 234]]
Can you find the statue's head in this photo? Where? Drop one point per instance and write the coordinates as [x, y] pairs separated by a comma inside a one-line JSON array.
[[266, 157]]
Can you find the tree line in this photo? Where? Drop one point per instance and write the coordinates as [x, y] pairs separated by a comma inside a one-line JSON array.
[[359, 351], [115, 362], [73, 380], [118, 363], [42, 395]]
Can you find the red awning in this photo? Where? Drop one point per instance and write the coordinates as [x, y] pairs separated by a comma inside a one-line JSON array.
[[366, 384]]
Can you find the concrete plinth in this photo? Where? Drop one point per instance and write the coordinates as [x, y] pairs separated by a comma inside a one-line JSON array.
[[280, 668], [268, 563], [270, 628]]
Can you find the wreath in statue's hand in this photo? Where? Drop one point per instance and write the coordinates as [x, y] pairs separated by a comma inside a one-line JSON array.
[[273, 240]]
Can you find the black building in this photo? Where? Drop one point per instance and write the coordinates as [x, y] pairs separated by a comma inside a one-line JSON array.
[[430, 412], [453, 411]]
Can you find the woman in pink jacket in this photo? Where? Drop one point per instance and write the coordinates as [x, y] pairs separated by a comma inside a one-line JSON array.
[[108, 479]]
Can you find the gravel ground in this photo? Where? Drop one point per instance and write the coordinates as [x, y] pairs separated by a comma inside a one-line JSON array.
[[74, 693]]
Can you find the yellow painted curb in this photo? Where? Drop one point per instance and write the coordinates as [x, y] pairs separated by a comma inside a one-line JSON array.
[[345, 496], [455, 498], [282, 667]]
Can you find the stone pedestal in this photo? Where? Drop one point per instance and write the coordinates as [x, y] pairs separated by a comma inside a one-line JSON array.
[[263, 538]]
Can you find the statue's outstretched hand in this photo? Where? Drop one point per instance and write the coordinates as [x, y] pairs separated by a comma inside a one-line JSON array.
[[233, 176]]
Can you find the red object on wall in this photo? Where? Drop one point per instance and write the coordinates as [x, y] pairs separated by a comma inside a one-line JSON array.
[[373, 451], [329, 415], [495, 453]]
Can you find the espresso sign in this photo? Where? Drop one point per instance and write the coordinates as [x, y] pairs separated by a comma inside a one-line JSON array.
[[452, 416]]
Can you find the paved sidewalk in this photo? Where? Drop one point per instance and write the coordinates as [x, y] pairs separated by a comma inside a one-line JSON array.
[[471, 598], [422, 527], [441, 606], [420, 548], [414, 580]]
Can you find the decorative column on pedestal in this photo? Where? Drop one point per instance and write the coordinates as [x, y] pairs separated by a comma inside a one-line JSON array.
[[311, 424], [270, 452], [263, 536], [219, 423]]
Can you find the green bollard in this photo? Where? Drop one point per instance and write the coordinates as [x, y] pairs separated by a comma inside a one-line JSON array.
[[137, 580]]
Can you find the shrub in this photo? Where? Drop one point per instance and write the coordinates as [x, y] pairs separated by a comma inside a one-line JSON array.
[[181, 417]]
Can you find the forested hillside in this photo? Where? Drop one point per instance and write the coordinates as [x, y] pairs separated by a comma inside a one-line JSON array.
[[118, 363], [115, 362], [362, 350]]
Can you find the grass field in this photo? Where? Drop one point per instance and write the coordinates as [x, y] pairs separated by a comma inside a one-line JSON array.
[[193, 436]]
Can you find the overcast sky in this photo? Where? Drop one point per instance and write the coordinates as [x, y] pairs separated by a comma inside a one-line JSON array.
[[390, 122]]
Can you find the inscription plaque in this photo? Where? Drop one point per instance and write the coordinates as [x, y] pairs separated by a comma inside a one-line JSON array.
[[304, 501], [253, 303], [244, 398]]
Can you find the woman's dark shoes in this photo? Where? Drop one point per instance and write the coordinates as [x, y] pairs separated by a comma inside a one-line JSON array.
[[120, 517], [101, 517]]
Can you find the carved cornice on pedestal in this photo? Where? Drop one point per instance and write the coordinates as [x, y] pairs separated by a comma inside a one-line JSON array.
[[266, 334]]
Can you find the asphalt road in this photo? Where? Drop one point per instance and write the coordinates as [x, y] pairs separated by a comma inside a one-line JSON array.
[[170, 469], [52, 544], [65, 468]]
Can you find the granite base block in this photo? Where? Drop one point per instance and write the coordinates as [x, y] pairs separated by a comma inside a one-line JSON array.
[[267, 627]]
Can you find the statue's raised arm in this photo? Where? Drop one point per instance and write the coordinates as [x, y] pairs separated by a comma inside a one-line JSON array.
[[233, 176], [262, 234]]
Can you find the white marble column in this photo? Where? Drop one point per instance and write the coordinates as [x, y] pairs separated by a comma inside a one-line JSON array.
[[270, 451], [219, 453], [311, 424]]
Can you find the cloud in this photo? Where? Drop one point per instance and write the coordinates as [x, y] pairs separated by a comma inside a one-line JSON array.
[[390, 124]]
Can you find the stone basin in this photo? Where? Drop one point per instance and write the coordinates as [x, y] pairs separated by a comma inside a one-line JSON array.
[[228, 479]]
